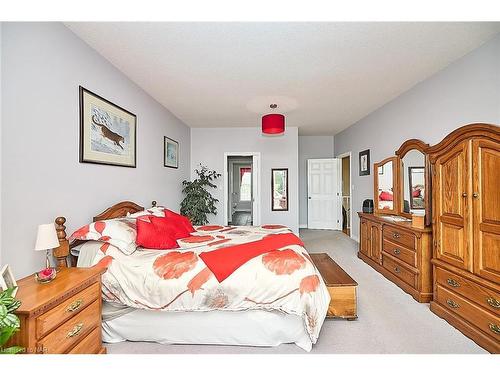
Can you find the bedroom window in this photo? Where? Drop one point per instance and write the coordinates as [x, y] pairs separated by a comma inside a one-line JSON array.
[[245, 184]]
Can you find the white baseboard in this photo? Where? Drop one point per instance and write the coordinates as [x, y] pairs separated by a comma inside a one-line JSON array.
[[302, 226], [355, 238]]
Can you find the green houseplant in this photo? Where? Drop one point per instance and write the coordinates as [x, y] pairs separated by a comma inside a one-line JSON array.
[[198, 202], [9, 322]]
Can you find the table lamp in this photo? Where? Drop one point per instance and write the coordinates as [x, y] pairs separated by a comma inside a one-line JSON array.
[[46, 239]]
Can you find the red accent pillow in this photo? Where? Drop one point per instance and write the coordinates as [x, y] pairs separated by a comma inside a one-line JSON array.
[[385, 196], [181, 219], [153, 236], [172, 226]]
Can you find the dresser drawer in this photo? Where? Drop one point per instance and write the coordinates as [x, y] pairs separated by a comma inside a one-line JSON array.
[[406, 255], [479, 294], [397, 269], [487, 322], [400, 237], [72, 332], [91, 344], [70, 307]]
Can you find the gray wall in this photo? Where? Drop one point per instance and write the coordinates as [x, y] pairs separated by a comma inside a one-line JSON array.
[[208, 146], [465, 92], [42, 66], [310, 147]]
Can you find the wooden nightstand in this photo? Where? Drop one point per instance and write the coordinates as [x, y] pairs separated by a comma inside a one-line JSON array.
[[63, 316]]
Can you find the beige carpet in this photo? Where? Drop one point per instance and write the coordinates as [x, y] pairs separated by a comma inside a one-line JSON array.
[[390, 321]]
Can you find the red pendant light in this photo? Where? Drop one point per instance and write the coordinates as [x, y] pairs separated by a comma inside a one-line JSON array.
[[273, 123]]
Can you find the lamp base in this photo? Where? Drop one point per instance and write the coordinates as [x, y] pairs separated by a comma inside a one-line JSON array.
[[46, 275]]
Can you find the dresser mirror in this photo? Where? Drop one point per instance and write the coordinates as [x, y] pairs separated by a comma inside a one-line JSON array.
[[386, 186], [414, 179]]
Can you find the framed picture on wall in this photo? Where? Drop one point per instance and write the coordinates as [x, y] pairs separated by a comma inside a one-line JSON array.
[[107, 132], [364, 163], [170, 153]]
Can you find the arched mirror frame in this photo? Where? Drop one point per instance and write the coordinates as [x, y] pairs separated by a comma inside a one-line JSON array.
[[396, 166], [415, 144]]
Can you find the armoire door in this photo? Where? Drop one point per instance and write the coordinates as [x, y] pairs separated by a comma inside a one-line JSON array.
[[452, 202], [376, 242], [486, 209]]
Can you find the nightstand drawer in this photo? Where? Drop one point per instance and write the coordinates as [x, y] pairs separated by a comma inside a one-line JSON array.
[[89, 345], [68, 308], [72, 332]]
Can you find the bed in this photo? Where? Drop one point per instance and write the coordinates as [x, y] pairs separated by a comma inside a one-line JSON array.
[[275, 297]]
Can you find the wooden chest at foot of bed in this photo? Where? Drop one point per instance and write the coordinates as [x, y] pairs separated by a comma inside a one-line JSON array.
[[340, 285]]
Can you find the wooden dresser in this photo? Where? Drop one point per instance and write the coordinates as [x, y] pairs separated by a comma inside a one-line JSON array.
[[63, 316], [466, 219], [398, 251]]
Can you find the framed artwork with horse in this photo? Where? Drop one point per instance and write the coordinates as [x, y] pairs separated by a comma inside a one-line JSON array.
[[107, 132]]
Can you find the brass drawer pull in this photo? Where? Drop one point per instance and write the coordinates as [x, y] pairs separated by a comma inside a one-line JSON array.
[[397, 270], [452, 282], [75, 331], [475, 195], [494, 328], [396, 235], [74, 306], [464, 195], [452, 304], [397, 251], [493, 302]]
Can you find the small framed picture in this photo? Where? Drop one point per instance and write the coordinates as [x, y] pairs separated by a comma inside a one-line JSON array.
[[7, 279], [170, 153], [364, 163]]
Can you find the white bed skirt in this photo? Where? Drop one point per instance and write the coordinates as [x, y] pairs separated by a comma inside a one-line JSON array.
[[248, 328]]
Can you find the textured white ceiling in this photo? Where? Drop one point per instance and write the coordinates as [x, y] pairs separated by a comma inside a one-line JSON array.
[[324, 76]]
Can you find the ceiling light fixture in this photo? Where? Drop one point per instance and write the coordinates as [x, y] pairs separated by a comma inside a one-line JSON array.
[[273, 123]]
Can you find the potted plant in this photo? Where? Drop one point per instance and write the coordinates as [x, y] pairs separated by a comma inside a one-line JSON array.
[[9, 322], [198, 202]]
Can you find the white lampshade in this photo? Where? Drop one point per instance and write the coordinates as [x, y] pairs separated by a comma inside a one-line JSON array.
[[46, 237]]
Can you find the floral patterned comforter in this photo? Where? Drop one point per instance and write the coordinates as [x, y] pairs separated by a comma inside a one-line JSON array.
[[178, 280]]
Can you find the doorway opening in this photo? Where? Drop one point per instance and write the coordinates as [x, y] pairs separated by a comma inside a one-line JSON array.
[[346, 193], [241, 188]]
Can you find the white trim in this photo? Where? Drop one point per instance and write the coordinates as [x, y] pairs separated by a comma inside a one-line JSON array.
[[302, 226], [256, 180], [341, 156]]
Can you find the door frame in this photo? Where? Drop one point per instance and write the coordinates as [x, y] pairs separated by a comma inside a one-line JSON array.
[[341, 156], [256, 185], [339, 187]]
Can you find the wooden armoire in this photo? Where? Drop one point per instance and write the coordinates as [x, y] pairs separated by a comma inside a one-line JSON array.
[[465, 169]]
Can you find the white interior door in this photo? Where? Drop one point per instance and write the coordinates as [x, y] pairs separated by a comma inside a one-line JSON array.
[[324, 207]]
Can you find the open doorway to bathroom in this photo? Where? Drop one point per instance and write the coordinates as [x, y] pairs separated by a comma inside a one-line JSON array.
[[346, 193], [240, 192]]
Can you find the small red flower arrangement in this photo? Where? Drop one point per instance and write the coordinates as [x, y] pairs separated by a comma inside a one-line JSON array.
[[46, 275]]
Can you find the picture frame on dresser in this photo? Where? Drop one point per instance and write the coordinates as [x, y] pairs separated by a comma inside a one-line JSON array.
[[7, 279], [107, 132]]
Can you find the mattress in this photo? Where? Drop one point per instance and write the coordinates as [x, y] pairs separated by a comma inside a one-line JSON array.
[[247, 328]]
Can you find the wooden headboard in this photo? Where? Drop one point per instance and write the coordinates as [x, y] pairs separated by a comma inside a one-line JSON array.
[[119, 210], [115, 211]]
